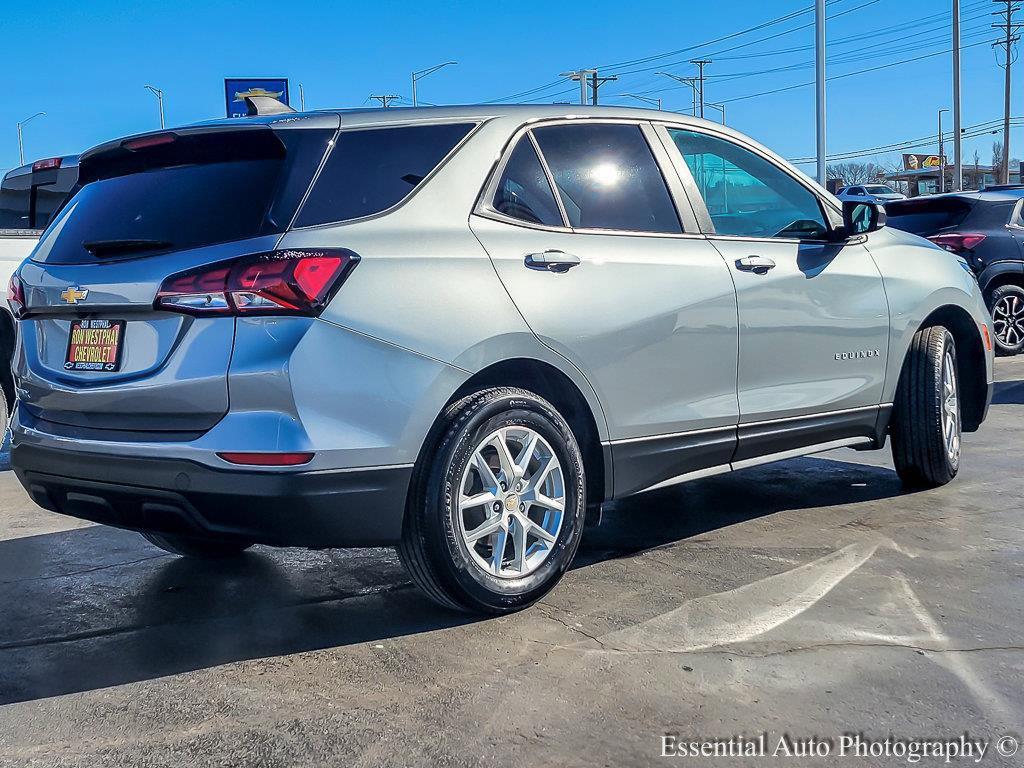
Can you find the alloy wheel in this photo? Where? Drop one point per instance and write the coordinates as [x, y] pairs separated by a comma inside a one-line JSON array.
[[511, 502], [1008, 320], [950, 408]]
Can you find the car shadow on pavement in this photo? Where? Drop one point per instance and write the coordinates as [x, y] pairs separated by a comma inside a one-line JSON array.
[[1008, 393], [95, 607]]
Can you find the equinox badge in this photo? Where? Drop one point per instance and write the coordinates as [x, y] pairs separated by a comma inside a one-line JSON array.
[[74, 295]]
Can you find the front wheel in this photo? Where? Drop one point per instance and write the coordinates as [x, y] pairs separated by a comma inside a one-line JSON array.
[[926, 427], [497, 508]]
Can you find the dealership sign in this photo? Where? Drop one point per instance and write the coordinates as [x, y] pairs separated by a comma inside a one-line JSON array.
[[237, 88], [920, 162]]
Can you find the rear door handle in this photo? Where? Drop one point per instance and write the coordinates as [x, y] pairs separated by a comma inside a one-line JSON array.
[[551, 261], [758, 264]]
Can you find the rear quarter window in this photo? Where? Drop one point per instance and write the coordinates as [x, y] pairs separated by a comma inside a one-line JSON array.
[[925, 217], [369, 171]]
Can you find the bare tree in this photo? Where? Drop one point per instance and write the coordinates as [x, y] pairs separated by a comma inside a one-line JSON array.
[[855, 173], [997, 154]]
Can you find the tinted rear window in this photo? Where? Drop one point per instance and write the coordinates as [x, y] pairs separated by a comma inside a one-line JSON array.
[[29, 200], [369, 171], [924, 217], [180, 197]]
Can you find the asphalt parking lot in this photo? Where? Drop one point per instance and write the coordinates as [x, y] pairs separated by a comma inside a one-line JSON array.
[[810, 598]]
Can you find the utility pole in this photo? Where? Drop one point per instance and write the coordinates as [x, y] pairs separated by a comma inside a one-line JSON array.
[[958, 165], [1010, 29], [720, 108], [385, 99], [417, 76], [580, 76], [21, 142], [596, 82], [690, 81], [159, 100], [819, 81], [647, 99], [302, 99], [942, 155], [700, 64]]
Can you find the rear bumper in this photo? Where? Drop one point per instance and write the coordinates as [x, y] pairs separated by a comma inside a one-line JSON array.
[[323, 508]]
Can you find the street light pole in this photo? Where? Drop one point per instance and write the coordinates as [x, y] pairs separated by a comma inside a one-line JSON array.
[[419, 75], [958, 168], [638, 97], [942, 156], [21, 142], [819, 61], [160, 101]]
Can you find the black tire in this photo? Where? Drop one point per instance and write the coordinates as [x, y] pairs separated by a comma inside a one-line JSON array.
[[201, 548], [919, 446], [1006, 303], [433, 548]]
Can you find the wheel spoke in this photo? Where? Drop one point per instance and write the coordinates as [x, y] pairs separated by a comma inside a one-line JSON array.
[[504, 456], [489, 527], [534, 529], [540, 500], [518, 532], [498, 550], [468, 502], [486, 473], [523, 460]]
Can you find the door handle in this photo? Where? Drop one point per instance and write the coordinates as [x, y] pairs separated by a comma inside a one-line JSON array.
[[757, 264], [551, 261]]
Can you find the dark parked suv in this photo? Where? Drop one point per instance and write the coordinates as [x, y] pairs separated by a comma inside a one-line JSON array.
[[986, 229]]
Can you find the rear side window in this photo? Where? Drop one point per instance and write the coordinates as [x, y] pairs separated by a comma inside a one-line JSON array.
[[523, 191], [926, 216], [369, 171], [608, 178], [14, 206], [184, 194]]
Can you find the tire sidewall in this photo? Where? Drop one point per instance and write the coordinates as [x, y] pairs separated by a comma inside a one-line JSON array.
[[456, 450]]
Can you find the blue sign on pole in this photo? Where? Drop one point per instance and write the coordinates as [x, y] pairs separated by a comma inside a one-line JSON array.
[[237, 88]]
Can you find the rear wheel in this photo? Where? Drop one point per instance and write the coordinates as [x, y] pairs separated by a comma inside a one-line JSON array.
[[926, 427], [203, 548], [1006, 303], [497, 509]]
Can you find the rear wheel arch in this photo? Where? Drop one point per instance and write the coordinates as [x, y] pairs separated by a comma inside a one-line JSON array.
[[1008, 274], [561, 391], [971, 366]]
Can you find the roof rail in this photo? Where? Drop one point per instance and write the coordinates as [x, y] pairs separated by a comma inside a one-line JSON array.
[[265, 105]]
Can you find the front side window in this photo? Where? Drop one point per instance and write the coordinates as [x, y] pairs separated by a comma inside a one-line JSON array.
[[523, 190], [371, 170], [607, 178], [746, 195]]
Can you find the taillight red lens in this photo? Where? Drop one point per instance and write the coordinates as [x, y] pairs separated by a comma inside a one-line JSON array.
[[292, 282], [268, 459], [153, 140], [48, 164], [957, 242], [16, 296]]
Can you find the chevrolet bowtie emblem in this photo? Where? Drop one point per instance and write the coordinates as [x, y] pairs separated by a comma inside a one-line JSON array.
[[74, 295]]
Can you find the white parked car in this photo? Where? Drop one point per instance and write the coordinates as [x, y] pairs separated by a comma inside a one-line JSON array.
[[29, 197], [870, 193]]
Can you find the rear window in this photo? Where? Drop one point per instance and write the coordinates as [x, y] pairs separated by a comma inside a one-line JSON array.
[[369, 171], [927, 216], [29, 200], [199, 190]]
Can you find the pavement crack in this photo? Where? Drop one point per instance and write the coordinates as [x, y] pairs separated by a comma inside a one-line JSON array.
[[84, 571], [546, 613]]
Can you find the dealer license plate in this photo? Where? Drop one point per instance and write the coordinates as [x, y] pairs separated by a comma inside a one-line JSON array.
[[95, 345]]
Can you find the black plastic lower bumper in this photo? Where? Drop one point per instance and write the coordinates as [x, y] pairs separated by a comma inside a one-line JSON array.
[[336, 508]]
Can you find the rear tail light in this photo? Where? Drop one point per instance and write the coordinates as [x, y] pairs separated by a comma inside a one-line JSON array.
[[153, 140], [268, 459], [957, 242], [16, 296], [291, 282]]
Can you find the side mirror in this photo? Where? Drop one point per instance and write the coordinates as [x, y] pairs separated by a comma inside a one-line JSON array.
[[861, 218]]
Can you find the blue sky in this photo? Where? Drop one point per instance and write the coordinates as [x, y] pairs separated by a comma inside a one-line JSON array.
[[85, 62]]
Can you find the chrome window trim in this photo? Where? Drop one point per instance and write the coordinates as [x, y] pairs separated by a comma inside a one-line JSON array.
[[484, 208], [831, 214], [475, 128]]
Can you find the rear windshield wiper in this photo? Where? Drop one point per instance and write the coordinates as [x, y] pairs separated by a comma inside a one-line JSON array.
[[112, 247]]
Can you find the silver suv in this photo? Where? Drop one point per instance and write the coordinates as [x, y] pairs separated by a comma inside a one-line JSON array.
[[458, 330]]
